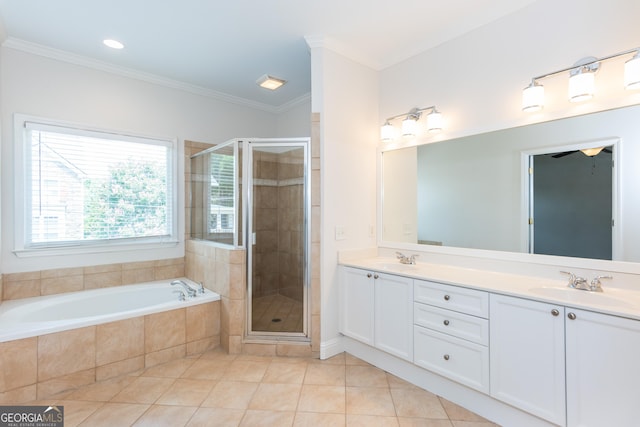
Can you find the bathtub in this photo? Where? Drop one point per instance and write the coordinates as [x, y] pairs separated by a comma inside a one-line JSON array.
[[36, 316]]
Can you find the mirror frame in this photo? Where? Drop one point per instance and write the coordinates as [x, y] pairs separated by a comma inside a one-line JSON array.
[[486, 254]]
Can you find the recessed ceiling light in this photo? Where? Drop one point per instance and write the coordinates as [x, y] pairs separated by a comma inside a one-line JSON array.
[[270, 82], [115, 44]]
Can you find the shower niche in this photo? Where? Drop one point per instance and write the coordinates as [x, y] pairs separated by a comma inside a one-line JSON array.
[[270, 177]]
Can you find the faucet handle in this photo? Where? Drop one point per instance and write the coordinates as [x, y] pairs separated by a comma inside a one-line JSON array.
[[575, 282], [595, 283], [200, 288], [400, 255], [181, 295]]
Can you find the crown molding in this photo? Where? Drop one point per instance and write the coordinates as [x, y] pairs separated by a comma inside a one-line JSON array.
[[84, 61]]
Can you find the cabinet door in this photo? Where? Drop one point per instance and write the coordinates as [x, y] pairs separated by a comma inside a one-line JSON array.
[[526, 345], [603, 370], [356, 304], [394, 315]]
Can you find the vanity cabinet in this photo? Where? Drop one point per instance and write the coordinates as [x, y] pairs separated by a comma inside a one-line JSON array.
[[377, 309], [451, 332], [603, 369], [542, 352], [528, 356]]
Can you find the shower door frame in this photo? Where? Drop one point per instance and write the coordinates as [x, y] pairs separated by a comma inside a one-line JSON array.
[[247, 182]]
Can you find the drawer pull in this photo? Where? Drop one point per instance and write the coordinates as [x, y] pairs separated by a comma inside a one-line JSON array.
[[375, 276], [446, 323], [447, 297], [369, 275], [446, 357], [555, 312], [571, 316]]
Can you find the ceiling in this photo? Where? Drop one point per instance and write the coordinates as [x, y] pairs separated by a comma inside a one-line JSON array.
[[222, 47]]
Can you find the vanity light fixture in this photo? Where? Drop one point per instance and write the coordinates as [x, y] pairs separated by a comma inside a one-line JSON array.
[[410, 123], [581, 80], [269, 82]]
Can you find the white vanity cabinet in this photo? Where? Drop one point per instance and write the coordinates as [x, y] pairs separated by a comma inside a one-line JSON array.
[[603, 369], [357, 304], [451, 332], [542, 352], [377, 309], [528, 356]]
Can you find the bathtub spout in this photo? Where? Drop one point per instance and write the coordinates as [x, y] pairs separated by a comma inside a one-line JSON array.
[[190, 291]]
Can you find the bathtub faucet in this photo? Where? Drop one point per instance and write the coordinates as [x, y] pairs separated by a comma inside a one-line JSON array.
[[190, 291]]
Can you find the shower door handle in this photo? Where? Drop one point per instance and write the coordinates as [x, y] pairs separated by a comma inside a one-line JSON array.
[[253, 238]]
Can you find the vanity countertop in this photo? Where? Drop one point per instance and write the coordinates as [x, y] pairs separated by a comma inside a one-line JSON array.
[[615, 301]]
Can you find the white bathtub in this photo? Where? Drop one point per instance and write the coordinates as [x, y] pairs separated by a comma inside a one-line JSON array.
[[35, 316]]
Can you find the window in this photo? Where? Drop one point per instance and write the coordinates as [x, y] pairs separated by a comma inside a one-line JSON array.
[[86, 187]]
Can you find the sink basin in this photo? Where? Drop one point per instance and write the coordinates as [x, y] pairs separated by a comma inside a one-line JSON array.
[[583, 297]]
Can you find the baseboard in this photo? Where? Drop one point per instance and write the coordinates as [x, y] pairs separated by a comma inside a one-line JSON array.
[[331, 347]]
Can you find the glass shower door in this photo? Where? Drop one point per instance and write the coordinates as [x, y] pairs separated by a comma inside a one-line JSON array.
[[278, 239]]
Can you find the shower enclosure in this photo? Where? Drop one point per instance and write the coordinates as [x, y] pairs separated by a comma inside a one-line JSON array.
[[270, 177]]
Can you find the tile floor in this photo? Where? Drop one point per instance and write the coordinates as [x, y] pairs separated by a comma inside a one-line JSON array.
[[270, 307], [217, 389]]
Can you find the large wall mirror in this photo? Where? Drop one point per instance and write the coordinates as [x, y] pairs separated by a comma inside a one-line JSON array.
[[478, 192]]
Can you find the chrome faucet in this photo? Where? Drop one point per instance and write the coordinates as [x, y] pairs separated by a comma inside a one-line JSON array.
[[580, 283], [406, 259], [190, 291]]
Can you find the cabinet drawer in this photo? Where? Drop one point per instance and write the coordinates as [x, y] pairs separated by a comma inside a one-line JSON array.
[[461, 325], [451, 357], [469, 301]]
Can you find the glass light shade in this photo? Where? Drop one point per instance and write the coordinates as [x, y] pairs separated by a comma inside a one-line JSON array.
[[581, 86], [387, 132], [533, 98], [592, 151], [269, 82], [632, 73], [434, 121], [409, 126]]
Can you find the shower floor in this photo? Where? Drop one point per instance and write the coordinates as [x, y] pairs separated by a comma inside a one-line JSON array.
[[266, 311]]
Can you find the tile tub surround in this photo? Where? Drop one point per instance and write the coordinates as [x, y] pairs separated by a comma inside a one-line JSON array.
[[38, 367], [218, 389], [48, 282]]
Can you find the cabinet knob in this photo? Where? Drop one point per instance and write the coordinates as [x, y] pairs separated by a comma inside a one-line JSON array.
[[375, 276], [571, 316], [369, 275], [446, 357], [447, 297], [555, 312], [446, 323]]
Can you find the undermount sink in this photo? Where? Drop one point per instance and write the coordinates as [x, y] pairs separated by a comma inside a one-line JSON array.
[[392, 266], [586, 297]]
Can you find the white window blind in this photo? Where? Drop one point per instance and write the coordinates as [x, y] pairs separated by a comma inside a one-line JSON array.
[[87, 187], [222, 191]]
